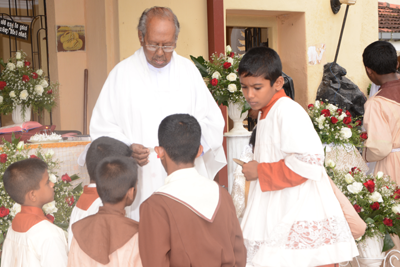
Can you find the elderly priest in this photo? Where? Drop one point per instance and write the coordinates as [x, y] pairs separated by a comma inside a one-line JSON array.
[[148, 86]]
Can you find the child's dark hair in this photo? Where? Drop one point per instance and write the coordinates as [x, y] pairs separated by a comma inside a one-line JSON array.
[[180, 135], [22, 177], [115, 175], [261, 61], [101, 148], [252, 141], [381, 57]]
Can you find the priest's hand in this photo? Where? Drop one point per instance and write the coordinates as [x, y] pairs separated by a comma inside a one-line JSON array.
[[141, 154], [250, 170]]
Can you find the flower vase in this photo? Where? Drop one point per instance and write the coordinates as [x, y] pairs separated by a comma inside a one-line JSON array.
[[234, 112], [18, 116], [370, 250]]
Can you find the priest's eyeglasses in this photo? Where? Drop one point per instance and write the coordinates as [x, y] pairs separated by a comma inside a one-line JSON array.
[[166, 48]]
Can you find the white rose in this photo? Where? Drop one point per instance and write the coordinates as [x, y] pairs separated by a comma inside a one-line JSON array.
[[24, 94], [44, 83], [50, 207], [348, 178], [376, 197], [345, 132], [332, 108], [355, 187], [20, 64], [1, 99], [341, 117], [228, 49], [39, 89], [39, 72], [396, 208], [10, 66], [230, 60], [52, 178], [232, 88], [50, 153], [216, 75], [231, 77], [20, 145], [317, 104], [15, 209], [18, 55], [12, 94], [331, 164], [379, 175]]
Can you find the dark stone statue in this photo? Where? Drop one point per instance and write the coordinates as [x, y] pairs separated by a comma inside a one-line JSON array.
[[340, 91]]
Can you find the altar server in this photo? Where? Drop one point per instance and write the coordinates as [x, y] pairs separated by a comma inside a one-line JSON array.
[[382, 111], [190, 221], [148, 86], [89, 202], [292, 216], [108, 238], [32, 240]]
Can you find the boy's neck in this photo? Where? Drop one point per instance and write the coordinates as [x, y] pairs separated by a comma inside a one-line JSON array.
[[172, 166], [384, 78], [117, 206]]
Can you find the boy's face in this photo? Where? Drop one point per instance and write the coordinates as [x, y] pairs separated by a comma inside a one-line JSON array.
[[258, 91], [45, 193]]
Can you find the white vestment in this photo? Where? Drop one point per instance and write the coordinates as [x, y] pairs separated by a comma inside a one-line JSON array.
[[298, 226], [136, 98], [43, 245]]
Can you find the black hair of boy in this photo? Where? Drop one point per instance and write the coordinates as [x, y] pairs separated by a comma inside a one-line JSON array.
[[179, 135], [101, 148], [261, 61], [22, 177], [381, 57], [115, 176]]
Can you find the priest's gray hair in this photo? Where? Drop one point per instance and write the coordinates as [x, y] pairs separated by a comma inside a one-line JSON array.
[[161, 12]]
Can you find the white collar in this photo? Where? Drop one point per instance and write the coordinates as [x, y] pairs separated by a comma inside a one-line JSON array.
[[198, 193], [91, 185]]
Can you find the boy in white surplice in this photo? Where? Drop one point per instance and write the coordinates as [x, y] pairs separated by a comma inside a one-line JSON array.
[[292, 216]]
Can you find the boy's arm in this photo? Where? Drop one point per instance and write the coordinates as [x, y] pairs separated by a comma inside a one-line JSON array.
[[54, 251], [379, 142], [154, 236]]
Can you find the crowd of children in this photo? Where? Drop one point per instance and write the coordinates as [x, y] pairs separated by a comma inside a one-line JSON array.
[[295, 215]]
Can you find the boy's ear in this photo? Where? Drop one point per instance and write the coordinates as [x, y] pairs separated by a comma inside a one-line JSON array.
[[199, 151], [369, 71], [30, 196], [160, 151], [278, 85]]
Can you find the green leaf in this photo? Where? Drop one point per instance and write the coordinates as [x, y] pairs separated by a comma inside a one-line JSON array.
[[246, 107], [1, 238], [4, 65], [201, 65], [382, 228], [387, 243], [369, 220], [77, 189], [74, 177]]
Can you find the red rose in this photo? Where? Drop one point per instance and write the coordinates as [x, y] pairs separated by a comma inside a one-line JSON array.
[[358, 123], [227, 65], [214, 82], [322, 102], [4, 211], [347, 120], [232, 54], [349, 126], [348, 113], [33, 157], [388, 222], [370, 185], [50, 218], [355, 170], [35, 75], [310, 106], [25, 78], [50, 92], [2, 85], [66, 178], [375, 206], [3, 158], [396, 194], [70, 200], [364, 136], [27, 63], [357, 208], [339, 111], [334, 120], [326, 112]]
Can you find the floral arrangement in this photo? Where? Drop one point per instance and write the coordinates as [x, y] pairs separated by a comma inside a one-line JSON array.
[[59, 210], [21, 85], [375, 198], [221, 75], [335, 125]]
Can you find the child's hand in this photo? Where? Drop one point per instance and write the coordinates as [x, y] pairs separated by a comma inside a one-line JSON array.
[[250, 170], [140, 153]]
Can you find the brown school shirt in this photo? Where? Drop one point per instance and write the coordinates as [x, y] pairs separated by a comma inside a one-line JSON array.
[[173, 235]]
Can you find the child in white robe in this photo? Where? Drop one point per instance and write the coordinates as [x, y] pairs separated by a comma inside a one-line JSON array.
[[292, 216], [89, 202], [32, 240]]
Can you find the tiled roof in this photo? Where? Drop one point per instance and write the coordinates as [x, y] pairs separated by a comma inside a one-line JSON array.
[[389, 17]]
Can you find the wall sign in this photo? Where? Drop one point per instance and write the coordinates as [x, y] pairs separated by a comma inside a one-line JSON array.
[[13, 28]]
